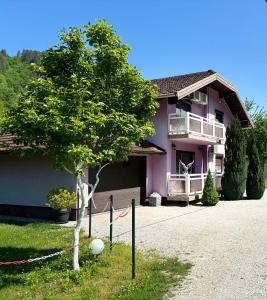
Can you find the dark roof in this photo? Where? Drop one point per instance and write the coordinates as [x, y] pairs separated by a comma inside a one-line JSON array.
[[146, 147], [170, 85]]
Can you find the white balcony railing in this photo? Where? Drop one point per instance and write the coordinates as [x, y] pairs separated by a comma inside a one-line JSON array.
[[190, 184], [189, 123]]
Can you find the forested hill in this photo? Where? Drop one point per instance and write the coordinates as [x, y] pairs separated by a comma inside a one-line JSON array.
[[15, 73]]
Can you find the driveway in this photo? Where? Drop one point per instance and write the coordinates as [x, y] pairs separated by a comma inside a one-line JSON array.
[[227, 245]]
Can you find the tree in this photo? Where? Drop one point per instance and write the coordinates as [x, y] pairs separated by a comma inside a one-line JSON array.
[[86, 107], [259, 117], [210, 196], [235, 164], [14, 76], [255, 179], [29, 56]]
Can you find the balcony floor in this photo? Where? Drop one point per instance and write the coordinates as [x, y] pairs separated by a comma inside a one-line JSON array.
[[195, 139]]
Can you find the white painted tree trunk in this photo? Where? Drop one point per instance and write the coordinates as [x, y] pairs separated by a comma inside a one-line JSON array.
[[76, 236]]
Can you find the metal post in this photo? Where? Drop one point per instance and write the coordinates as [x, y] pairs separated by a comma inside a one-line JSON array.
[[78, 204], [133, 238], [110, 220], [90, 218]]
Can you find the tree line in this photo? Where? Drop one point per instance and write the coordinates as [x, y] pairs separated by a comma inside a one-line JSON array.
[[15, 73]]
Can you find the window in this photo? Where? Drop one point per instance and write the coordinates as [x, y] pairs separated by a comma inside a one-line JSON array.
[[219, 116], [186, 157], [219, 164], [182, 107]]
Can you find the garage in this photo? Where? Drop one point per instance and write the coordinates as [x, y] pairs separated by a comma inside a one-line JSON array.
[[125, 181]]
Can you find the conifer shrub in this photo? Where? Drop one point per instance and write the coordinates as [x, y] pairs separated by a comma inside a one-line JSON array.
[[255, 179], [235, 162], [210, 196]]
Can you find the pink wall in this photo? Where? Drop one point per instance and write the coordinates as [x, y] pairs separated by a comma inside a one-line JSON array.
[[158, 181], [149, 174], [218, 103], [160, 121], [160, 166], [198, 109]]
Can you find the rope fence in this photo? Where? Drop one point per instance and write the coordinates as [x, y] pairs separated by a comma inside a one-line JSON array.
[[122, 214]]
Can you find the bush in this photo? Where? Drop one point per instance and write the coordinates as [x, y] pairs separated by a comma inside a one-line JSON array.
[[235, 162], [255, 179], [210, 196], [59, 198]]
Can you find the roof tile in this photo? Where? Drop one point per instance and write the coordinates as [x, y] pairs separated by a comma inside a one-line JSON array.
[[170, 85]]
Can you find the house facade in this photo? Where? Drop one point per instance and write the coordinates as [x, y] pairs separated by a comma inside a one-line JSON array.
[[194, 112]]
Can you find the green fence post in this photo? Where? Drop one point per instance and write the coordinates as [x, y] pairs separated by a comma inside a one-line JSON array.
[[133, 238], [110, 220], [90, 218]]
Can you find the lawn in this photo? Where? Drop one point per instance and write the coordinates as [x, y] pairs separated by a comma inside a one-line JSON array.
[[108, 277]]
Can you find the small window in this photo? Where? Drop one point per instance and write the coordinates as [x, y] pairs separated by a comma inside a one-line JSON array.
[[219, 116], [219, 164]]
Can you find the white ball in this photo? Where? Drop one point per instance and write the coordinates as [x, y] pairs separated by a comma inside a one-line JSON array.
[[97, 246]]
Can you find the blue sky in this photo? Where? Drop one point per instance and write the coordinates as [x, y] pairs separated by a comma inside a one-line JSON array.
[[167, 37]]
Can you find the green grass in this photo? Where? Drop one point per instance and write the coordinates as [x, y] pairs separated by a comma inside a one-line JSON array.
[[266, 182], [108, 277]]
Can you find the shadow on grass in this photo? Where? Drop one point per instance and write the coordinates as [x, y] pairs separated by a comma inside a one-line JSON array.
[[10, 220], [14, 254], [15, 222], [11, 275]]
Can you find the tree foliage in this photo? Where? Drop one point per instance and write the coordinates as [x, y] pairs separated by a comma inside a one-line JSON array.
[[29, 56], [15, 74], [255, 178], [259, 116], [86, 107], [235, 163], [210, 196]]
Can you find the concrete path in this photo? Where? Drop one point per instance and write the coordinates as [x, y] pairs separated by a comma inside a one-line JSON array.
[[227, 245]]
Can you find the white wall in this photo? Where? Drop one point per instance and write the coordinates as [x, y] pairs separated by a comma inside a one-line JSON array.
[[26, 181]]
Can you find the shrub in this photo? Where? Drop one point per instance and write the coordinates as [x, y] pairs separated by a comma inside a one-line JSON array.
[[210, 196], [235, 162], [255, 178], [59, 198]]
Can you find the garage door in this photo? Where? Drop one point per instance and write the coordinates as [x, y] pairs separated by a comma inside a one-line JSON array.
[[124, 181]]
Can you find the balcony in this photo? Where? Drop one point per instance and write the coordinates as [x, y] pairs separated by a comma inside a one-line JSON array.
[[192, 126], [188, 186]]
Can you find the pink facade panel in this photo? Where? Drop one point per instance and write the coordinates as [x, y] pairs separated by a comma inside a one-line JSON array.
[[159, 180], [160, 121]]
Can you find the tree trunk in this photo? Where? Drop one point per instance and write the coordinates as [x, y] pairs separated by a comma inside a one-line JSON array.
[[76, 235]]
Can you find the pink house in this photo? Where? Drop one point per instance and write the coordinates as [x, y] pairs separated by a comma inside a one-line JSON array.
[[195, 110], [190, 124]]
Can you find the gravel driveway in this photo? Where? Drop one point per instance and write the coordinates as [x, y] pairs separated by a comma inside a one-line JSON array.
[[227, 245]]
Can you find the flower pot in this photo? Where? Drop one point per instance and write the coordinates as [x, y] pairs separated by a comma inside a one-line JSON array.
[[62, 215]]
